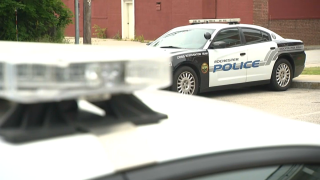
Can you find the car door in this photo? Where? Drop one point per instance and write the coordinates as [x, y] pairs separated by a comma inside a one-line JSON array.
[[260, 49], [227, 57]]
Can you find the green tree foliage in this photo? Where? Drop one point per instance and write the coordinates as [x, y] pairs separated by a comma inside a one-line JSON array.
[[38, 20]]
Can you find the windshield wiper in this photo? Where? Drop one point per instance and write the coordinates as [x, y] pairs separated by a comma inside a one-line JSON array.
[[170, 47]]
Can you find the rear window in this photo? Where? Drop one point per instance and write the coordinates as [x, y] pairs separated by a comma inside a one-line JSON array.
[[253, 36]]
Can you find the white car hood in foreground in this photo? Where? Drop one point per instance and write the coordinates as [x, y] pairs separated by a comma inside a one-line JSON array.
[[199, 125], [196, 126]]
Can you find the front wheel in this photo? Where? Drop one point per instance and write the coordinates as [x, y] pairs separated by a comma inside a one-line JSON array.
[[185, 81], [281, 75]]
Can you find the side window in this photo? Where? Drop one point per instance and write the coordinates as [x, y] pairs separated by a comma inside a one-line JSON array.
[[265, 36], [253, 36], [226, 38], [282, 172]]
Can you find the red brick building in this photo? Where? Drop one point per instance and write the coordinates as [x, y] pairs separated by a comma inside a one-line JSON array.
[[296, 19]]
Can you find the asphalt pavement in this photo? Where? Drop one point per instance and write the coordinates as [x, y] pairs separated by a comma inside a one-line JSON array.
[[295, 103]]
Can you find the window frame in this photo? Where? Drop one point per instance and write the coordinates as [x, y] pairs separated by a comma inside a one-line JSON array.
[[227, 161], [240, 35], [244, 38]]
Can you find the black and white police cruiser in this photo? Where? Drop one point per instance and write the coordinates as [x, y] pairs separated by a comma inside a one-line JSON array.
[[74, 112], [209, 55]]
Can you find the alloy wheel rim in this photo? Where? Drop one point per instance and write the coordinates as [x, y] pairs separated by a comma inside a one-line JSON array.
[[186, 83], [283, 75]]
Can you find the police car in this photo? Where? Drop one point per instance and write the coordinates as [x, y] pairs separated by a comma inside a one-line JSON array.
[[72, 112], [208, 56]]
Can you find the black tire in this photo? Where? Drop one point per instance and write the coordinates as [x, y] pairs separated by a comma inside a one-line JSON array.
[[277, 83], [184, 70]]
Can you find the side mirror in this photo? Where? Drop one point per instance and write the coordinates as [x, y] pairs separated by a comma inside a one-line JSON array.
[[219, 44], [207, 35], [149, 43]]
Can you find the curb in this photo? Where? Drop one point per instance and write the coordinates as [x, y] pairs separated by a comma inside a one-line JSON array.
[[305, 85], [306, 82]]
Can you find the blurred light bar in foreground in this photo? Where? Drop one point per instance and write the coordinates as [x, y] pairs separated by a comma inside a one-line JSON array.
[[38, 72]]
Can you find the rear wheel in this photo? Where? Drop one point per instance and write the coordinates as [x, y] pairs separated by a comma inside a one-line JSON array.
[[185, 81], [281, 75]]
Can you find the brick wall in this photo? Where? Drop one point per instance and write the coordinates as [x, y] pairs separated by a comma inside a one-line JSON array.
[[234, 9], [151, 23], [104, 13], [307, 30], [294, 9]]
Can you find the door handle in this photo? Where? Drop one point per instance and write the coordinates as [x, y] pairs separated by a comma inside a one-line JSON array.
[[242, 54], [272, 48]]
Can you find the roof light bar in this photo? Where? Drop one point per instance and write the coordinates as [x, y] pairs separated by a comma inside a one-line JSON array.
[[202, 21], [39, 72]]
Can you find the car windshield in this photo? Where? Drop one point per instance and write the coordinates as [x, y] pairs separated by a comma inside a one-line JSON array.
[[186, 39]]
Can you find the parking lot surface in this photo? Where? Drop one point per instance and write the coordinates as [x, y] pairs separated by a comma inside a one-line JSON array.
[[300, 104]]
